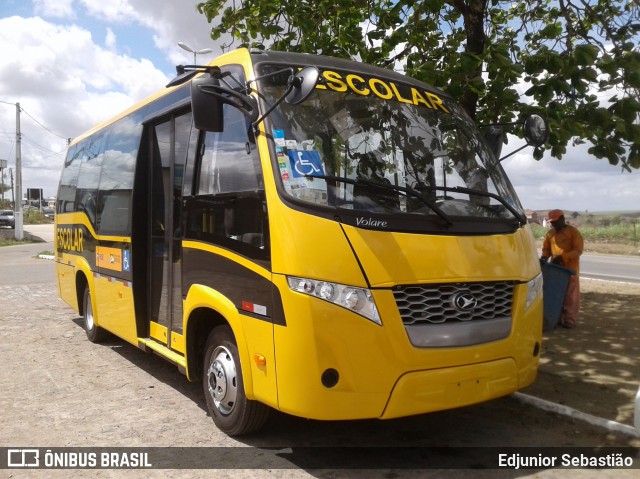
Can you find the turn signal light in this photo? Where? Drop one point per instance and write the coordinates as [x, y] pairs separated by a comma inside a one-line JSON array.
[[260, 360]]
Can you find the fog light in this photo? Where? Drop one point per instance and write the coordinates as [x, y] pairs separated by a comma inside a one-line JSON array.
[[330, 378]]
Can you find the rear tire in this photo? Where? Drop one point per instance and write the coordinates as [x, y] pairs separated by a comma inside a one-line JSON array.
[[95, 333], [228, 405]]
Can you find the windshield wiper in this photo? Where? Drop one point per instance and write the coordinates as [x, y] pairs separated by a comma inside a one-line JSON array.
[[471, 191], [402, 189]]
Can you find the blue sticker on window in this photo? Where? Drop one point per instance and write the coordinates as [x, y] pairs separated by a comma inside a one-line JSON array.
[[305, 163], [278, 138], [126, 263]]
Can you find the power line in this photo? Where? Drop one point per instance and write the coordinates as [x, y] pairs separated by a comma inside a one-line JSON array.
[[41, 125], [27, 139], [36, 121]]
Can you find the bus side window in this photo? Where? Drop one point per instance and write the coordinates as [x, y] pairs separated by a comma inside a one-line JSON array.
[[116, 179], [88, 180], [226, 167], [66, 201], [230, 208]]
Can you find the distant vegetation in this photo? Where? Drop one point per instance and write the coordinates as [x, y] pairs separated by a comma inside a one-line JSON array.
[[606, 227], [7, 241], [35, 217]]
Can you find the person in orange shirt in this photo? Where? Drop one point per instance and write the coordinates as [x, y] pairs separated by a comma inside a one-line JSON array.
[[563, 245]]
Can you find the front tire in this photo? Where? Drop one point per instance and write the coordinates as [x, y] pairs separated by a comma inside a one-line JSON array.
[[228, 405], [95, 333]]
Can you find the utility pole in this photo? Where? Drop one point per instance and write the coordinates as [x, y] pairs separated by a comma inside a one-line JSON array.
[[18, 200]]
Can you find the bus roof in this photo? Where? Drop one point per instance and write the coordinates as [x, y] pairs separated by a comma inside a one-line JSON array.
[[275, 57], [307, 59]]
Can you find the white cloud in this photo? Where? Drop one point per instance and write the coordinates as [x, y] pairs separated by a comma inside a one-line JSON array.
[[118, 11], [170, 21], [110, 40], [578, 182], [67, 82], [177, 22], [54, 8]]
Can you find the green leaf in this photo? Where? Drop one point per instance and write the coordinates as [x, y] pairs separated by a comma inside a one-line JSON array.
[[586, 54], [572, 60]]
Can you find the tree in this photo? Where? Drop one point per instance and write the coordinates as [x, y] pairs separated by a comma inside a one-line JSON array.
[[4, 187], [576, 61]]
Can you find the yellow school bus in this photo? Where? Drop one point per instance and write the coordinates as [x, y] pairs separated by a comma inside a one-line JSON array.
[[307, 234]]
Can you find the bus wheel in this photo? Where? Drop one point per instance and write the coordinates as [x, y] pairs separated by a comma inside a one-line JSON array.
[[230, 409], [95, 333]]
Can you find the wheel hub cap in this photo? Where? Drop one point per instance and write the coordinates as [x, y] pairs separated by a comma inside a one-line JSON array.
[[223, 385]]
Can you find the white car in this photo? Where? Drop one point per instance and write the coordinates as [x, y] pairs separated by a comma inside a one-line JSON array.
[[48, 212], [7, 218]]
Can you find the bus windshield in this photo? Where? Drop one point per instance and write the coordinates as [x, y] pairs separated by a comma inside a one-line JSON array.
[[378, 146]]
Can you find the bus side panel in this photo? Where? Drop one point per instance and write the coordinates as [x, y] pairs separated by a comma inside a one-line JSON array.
[[241, 291], [114, 307], [252, 337], [259, 338], [73, 254], [66, 277], [69, 267]]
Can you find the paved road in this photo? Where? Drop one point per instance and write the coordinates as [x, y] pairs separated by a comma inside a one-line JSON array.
[[44, 232], [20, 265], [624, 269]]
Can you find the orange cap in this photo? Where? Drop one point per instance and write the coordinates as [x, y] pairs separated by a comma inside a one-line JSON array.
[[554, 215]]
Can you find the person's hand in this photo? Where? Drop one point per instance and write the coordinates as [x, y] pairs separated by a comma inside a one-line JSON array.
[[557, 259]]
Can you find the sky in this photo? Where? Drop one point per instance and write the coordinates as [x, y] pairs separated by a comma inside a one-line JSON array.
[[73, 63]]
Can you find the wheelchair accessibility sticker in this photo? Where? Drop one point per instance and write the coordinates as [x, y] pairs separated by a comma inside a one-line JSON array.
[[305, 163], [126, 263]]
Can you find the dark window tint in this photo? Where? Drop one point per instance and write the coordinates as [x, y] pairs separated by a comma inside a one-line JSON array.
[[89, 178], [66, 202], [116, 180]]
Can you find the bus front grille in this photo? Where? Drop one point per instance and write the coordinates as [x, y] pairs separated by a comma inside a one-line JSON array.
[[453, 302]]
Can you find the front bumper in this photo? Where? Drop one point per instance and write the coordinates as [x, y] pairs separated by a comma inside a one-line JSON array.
[[420, 392]]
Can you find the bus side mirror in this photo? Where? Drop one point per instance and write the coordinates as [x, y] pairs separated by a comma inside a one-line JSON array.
[[206, 108], [208, 98], [536, 130], [301, 85]]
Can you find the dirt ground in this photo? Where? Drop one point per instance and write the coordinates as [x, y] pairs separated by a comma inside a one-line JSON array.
[[595, 367], [605, 247]]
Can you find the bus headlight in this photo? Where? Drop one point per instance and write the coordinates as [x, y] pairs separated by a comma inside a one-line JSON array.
[[358, 300], [533, 289]]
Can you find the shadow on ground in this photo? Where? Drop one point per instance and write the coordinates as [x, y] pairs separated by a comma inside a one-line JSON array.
[[595, 368]]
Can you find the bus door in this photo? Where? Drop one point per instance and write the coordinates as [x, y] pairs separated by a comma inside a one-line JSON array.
[[168, 153]]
